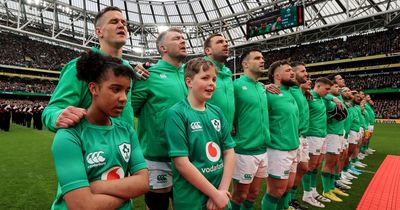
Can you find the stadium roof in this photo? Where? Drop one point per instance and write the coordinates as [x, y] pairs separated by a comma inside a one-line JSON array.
[[71, 21]]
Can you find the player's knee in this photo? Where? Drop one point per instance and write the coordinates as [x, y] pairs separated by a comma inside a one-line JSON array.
[[302, 167], [157, 201], [253, 194], [240, 197], [277, 192]]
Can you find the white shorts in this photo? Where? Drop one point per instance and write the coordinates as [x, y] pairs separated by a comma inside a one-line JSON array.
[[249, 166], [303, 155], [333, 144], [316, 145], [354, 137], [361, 134], [346, 143], [371, 128], [160, 174], [342, 143], [281, 163]]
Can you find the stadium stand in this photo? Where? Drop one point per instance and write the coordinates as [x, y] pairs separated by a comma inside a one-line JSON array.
[[23, 51], [387, 108], [387, 42], [15, 84], [373, 81]]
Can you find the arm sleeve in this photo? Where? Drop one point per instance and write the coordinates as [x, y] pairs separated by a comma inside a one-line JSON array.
[[175, 131], [226, 138], [67, 93], [136, 162], [330, 105], [69, 161], [139, 95], [328, 97]]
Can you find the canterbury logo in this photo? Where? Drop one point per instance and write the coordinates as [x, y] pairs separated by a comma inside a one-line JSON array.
[[162, 178], [248, 176], [195, 126], [95, 157]]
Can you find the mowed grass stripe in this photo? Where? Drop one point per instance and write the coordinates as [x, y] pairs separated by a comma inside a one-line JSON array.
[[28, 180]]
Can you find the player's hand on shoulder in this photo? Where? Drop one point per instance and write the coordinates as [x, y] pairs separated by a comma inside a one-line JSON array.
[[273, 89], [141, 72], [70, 116], [338, 103]]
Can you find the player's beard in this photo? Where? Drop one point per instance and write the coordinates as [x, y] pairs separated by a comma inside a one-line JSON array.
[[288, 83], [179, 57], [300, 80]]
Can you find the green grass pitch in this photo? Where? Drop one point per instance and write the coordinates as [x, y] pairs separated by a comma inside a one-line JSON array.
[[28, 181]]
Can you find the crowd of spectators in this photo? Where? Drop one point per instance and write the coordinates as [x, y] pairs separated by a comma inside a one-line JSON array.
[[373, 81], [15, 84], [18, 50], [383, 42], [21, 50], [387, 108]]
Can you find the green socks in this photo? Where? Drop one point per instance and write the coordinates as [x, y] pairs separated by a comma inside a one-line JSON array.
[[306, 181], [247, 205], [293, 193], [282, 202], [234, 205], [314, 178], [269, 203], [326, 181]]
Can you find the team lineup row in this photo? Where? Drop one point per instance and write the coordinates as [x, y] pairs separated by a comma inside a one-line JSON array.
[[187, 143]]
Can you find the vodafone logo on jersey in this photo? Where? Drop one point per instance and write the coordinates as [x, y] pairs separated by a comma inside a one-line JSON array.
[[113, 173], [213, 151]]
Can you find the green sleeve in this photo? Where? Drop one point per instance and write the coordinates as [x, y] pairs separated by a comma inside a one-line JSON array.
[[69, 161], [228, 142], [175, 131], [330, 105], [136, 161], [139, 95], [68, 92], [328, 97]]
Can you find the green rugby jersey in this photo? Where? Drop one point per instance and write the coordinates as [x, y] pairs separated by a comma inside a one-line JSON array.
[[87, 152], [304, 110], [151, 100], [334, 126], [202, 136], [251, 117], [223, 96], [283, 120], [360, 116], [371, 113], [363, 118], [348, 121], [73, 92], [318, 116], [356, 124]]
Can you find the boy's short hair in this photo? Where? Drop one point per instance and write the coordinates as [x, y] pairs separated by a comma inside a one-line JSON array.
[[103, 11], [193, 67]]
